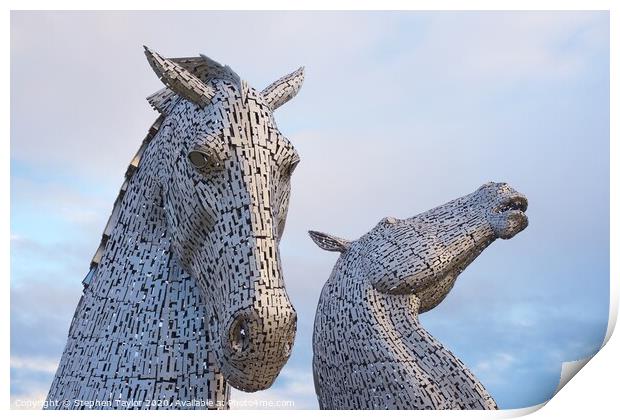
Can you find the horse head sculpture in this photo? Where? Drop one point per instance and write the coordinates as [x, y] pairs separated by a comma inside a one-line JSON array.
[[424, 254], [225, 184], [185, 294], [370, 350]]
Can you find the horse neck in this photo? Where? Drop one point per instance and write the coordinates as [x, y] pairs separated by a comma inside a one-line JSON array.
[[137, 258], [432, 361], [366, 314], [146, 309]]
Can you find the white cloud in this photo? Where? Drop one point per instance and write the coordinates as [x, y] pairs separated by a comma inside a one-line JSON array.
[[499, 362], [494, 370], [63, 199], [487, 48], [91, 116], [35, 364], [25, 374]]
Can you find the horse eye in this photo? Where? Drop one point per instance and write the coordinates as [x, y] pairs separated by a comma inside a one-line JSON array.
[[205, 161], [198, 159]]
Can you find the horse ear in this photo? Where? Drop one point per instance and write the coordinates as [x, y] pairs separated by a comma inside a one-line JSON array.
[[163, 100], [329, 242], [179, 80], [283, 90]]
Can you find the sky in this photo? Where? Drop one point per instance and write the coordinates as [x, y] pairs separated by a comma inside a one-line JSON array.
[[399, 112]]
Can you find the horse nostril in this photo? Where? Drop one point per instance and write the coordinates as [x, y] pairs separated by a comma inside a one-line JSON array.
[[239, 335]]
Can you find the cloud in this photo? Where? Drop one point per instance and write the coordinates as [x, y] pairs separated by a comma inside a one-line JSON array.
[[55, 223], [427, 53], [36, 364], [494, 369], [41, 311], [68, 198], [510, 47], [91, 87]]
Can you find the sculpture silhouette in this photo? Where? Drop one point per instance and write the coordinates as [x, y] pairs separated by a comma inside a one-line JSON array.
[[185, 294], [370, 350]]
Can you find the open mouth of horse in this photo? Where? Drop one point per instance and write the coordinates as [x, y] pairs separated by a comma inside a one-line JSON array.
[[516, 203], [508, 218]]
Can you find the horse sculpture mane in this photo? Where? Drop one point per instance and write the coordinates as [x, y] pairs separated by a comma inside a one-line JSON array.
[[370, 350], [185, 295]]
